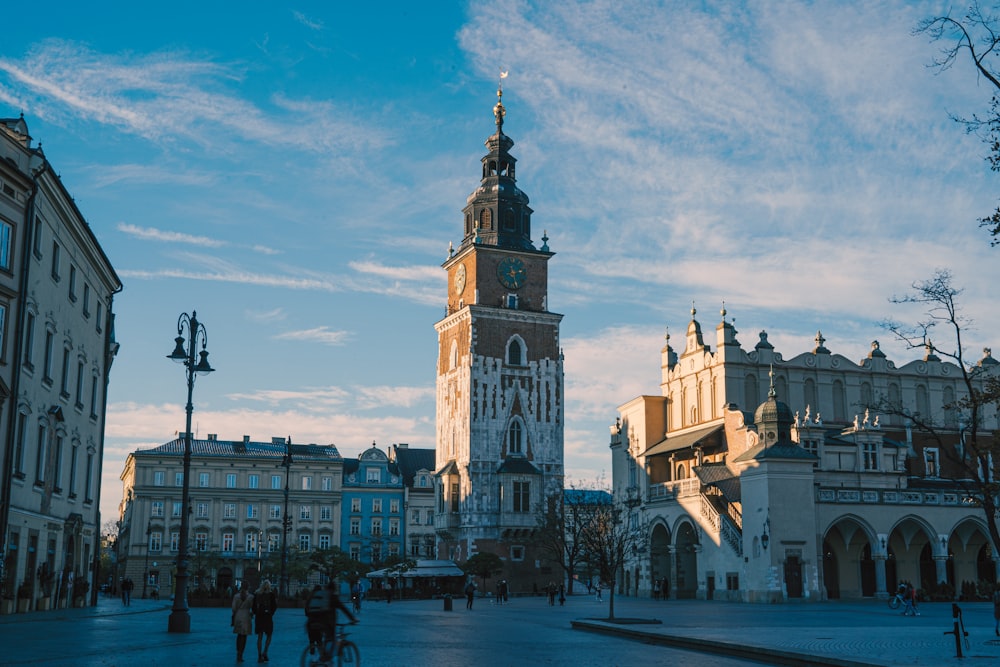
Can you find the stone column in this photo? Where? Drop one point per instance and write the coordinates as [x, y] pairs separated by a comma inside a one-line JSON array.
[[672, 570], [880, 583], [940, 570]]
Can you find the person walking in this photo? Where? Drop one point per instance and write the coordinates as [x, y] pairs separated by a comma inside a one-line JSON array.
[[470, 594], [562, 595], [996, 610], [910, 600], [241, 621], [550, 591], [265, 604], [127, 587], [599, 598]]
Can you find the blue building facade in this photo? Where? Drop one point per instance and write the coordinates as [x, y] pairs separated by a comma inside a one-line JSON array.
[[373, 511]]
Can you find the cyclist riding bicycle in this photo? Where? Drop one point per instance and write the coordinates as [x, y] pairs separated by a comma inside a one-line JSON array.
[[321, 612]]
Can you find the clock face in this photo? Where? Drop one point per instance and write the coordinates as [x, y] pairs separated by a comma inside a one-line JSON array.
[[460, 279], [511, 272]]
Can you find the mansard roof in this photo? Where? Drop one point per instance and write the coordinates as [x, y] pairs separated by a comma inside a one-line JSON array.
[[243, 448]]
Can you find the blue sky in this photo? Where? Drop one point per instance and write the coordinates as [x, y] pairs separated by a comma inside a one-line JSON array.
[[295, 172]]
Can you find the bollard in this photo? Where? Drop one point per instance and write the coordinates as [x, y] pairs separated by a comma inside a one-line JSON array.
[[958, 630]]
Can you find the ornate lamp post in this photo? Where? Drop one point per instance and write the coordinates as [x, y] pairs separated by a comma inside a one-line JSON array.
[[286, 523], [180, 619], [145, 569]]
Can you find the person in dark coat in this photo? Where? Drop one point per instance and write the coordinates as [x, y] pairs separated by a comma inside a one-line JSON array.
[[265, 604]]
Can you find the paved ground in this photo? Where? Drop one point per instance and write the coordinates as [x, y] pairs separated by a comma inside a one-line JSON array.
[[528, 631]]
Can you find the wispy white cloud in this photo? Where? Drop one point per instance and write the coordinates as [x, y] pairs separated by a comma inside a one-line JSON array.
[[321, 334], [151, 234], [174, 95], [312, 24], [275, 315]]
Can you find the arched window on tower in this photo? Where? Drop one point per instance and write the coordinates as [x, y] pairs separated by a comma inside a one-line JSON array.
[[516, 351], [453, 356], [515, 443], [485, 220]]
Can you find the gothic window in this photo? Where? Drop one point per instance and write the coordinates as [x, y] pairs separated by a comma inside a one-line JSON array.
[[923, 404], [514, 438], [468, 224], [485, 220], [809, 389], [453, 356], [950, 413], [514, 357], [750, 389], [681, 471], [839, 402]]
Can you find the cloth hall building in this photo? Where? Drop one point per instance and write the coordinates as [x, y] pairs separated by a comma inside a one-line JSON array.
[[741, 498]]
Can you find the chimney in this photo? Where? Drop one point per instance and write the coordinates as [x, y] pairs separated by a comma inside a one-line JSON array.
[[246, 440]]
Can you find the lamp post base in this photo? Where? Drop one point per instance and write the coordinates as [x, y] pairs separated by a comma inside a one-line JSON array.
[[179, 621]]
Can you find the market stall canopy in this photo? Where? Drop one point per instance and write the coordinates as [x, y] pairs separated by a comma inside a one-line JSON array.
[[424, 568]]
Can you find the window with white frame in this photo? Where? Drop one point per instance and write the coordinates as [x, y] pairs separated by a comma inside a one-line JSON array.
[[178, 479], [304, 541], [176, 509], [325, 513], [204, 479], [273, 542], [201, 541], [324, 541], [931, 462], [869, 456], [202, 511], [355, 504], [231, 480], [155, 541], [228, 541], [159, 478], [251, 542], [393, 549], [393, 506], [393, 527], [355, 526], [229, 511], [252, 511], [376, 526], [305, 512], [377, 505], [415, 517], [253, 481], [6, 233], [175, 541], [374, 475], [275, 481], [307, 483], [327, 484], [156, 508], [355, 552], [274, 512]]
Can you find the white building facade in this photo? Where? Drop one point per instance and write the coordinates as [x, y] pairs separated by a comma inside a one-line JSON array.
[[57, 345], [746, 498]]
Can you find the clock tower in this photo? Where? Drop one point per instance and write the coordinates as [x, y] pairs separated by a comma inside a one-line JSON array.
[[499, 453]]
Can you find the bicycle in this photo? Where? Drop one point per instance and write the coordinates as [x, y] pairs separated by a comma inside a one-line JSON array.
[[896, 600], [336, 651]]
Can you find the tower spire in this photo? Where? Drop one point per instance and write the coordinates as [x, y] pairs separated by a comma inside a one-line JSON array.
[[498, 111]]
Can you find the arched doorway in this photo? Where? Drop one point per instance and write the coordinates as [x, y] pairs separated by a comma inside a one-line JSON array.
[[687, 562], [848, 568], [224, 580], [659, 560], [867, 568]]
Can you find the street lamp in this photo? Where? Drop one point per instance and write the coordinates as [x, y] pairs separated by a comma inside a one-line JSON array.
[[145, 569], [286, 523], [180, 619]]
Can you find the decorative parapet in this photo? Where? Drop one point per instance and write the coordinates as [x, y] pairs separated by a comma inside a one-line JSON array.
[[892, 497], [674, 490]]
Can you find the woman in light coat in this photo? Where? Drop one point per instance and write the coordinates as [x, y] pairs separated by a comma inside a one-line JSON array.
[[242, 626]]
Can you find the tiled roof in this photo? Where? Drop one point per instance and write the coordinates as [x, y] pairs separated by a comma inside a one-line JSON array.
[[412, 460], [242, 448]]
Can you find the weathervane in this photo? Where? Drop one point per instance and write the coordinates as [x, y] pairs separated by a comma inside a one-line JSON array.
[[498, 111]]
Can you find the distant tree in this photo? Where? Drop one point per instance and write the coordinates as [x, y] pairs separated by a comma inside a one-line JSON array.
[[960, 436], [203, 564], [483, 565], [335, 563], [612, 534], [558, 536], [977, 32]]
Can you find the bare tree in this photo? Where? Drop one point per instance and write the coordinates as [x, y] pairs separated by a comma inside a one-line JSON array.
[[611, 536], [977, 33], [971, 449], [559, 532]]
